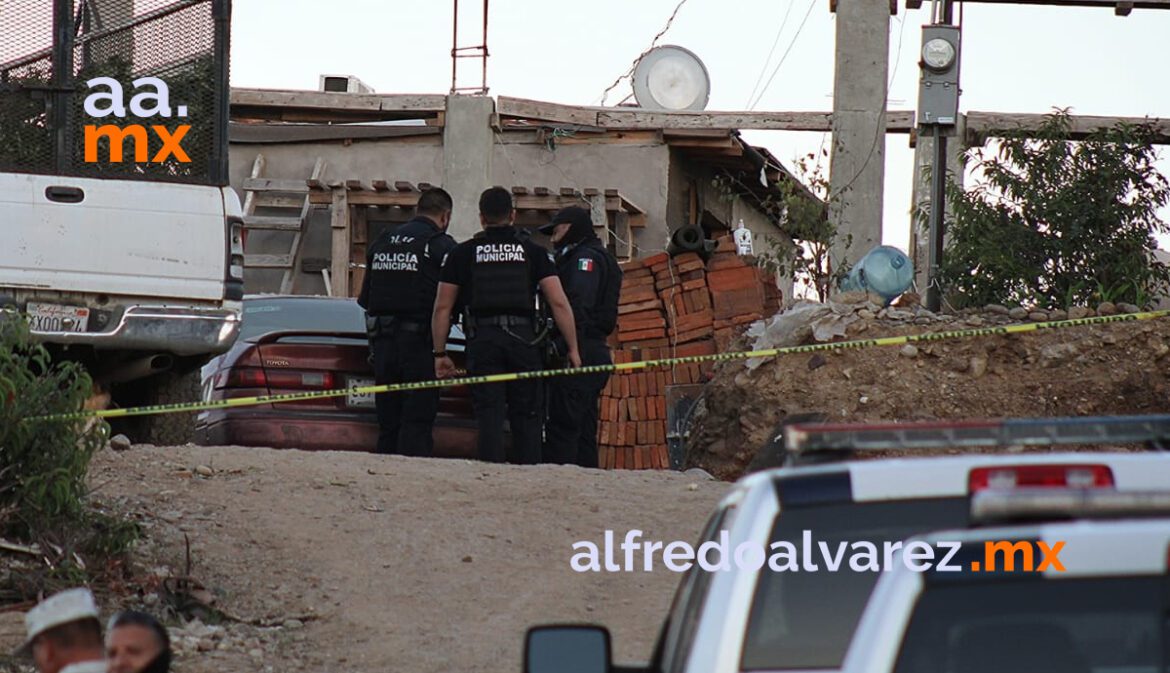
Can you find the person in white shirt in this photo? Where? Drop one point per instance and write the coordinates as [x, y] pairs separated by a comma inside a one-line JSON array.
[[65, 634]]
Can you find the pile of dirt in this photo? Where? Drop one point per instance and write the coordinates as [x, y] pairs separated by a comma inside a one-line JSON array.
[[359, 562], [1086, 370]]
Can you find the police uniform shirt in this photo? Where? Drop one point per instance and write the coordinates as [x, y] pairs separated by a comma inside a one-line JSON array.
[[582, 270], [495, 245], [379, 259]]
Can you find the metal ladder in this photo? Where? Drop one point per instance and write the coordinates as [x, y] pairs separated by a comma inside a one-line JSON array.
[[290, 196]]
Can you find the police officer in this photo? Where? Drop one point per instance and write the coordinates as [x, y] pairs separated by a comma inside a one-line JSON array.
[[398, 293], [592, 280], [495, 276]]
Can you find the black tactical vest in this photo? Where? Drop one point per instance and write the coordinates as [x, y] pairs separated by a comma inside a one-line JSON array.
[[501, 283], [397, 284]]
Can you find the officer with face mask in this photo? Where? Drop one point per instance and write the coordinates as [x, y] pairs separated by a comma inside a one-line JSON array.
[[495, 276], [592, 280], [398, 293]]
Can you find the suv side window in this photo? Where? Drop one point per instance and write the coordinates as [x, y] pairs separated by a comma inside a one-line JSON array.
[[683, 621]]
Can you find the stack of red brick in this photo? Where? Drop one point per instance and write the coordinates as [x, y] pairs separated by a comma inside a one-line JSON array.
[[672, 307]]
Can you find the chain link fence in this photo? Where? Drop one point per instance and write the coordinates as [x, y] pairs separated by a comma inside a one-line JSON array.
[[51, 49]]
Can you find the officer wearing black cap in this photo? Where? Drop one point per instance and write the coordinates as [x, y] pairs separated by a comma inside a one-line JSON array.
[[495, 276], [592, 280], [398, 293]]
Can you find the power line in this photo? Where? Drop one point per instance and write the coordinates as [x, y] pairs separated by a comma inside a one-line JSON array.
[[785, 56], [764, 68], [653, 43]]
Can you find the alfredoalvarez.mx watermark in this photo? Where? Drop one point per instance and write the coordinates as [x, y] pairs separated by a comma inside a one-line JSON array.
[[154, 101], [815, 556]]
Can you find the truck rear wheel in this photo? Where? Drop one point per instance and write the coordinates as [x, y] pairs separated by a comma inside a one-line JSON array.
[[171, 429]]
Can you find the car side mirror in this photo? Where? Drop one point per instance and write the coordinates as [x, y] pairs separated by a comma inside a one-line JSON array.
[[566, 648]]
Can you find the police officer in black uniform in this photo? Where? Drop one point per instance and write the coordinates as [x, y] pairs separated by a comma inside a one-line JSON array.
[[495, 276], [592, 280], [398, 293]]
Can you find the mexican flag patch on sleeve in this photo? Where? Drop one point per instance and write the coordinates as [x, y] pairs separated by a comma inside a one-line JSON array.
[[584, 264]]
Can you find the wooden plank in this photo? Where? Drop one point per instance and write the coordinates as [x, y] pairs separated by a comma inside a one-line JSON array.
[[371, 198], [274, 185], [1140, 4], [541, 191], [424, 186], [382, 186], [339, 223], [267, 261], [897, 121], [981, 125], [403, 186], [257, 170], [317, 185], [273, 222], [322, 100], [277, 200], [569, 191], [355, 185], [506, 106], [520, 191]]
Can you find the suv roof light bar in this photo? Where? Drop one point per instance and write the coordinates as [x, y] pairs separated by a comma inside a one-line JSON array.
[[1152, 429], [1066, 503]]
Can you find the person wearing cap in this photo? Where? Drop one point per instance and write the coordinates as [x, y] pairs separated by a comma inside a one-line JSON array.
[[592, 280], [64, 634], [496, 276], [136, 642]]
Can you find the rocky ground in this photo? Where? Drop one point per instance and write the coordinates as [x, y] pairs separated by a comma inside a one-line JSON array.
[[357, 562], [1115, 368]]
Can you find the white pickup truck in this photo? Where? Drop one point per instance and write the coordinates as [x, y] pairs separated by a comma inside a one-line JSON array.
[[140, 281]]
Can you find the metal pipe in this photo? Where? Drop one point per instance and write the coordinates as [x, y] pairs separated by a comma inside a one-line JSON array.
[[139, 369]]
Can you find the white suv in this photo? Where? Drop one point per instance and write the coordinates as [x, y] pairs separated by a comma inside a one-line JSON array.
[[1099, 605], [761, 620]]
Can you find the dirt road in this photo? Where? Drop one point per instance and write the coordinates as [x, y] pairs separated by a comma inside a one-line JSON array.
[[398, 564]]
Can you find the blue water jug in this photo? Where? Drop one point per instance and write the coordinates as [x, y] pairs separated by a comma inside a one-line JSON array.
[[885, 270]]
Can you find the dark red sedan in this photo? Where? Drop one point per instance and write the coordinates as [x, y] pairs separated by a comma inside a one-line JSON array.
[[295, 344]]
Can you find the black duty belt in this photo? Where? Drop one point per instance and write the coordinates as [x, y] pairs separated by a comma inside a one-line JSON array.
[[504, 320], [403, 324]]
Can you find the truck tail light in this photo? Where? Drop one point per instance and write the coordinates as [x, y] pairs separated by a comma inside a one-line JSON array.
[[234, 274], [1039, 476]]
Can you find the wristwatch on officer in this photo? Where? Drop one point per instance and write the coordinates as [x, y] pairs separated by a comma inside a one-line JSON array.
[[439, 354]]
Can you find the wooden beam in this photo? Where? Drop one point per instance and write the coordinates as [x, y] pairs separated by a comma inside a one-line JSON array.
[[403, 186], [897, 121], [1138, 4], [339, 223], [381, 186], [982, 125], [392, 105], [507, 106]]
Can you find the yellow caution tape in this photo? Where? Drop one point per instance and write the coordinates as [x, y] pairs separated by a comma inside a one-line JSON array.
[[595, 369]]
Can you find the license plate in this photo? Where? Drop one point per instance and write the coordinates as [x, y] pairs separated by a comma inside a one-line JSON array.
[[360, 399], [57, 318]]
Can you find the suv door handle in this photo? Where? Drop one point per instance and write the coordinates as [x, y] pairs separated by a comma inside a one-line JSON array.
[[63, 194]]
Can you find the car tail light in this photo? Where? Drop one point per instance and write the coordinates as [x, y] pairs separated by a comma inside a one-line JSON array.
[[254, 377], [1033, 476]]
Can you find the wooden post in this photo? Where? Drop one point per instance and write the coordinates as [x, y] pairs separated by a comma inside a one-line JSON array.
[[340, 254]]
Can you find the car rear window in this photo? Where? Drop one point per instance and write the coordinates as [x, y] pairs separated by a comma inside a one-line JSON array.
[[263, 316], [1036, 625], [805, 620]]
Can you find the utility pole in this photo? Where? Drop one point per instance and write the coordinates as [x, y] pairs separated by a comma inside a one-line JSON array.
[[938, 109]]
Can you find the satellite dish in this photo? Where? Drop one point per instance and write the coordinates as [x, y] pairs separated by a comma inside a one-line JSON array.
[[671, 78]]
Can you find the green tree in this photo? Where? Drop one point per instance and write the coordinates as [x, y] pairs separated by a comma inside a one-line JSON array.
[[1054, 223]]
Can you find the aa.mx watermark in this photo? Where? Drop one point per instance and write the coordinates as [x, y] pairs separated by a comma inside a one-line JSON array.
[[816, 556], [151, 102]]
